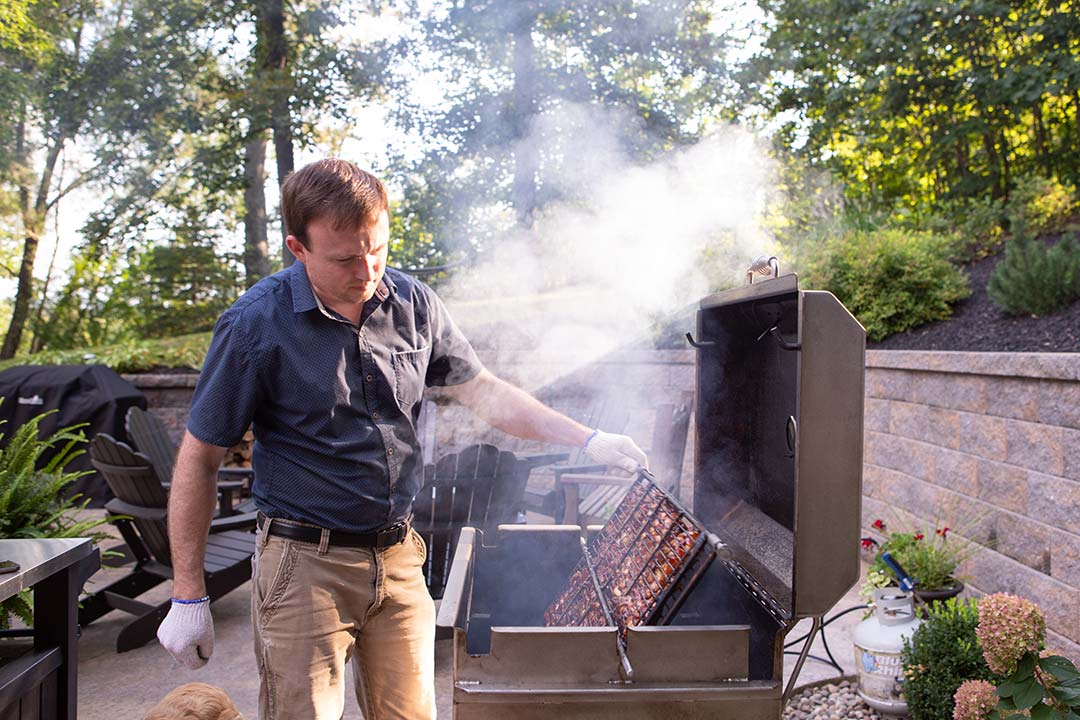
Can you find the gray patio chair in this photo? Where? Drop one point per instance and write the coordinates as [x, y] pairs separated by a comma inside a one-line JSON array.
[[139, 511], [151, 437]]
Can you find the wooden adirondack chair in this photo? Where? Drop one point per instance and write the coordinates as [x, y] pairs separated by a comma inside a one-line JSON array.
[[141, 497], [480, 486], [584, 496], [152, 439]]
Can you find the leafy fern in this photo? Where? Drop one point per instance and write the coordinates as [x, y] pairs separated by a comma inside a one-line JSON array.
[[31, 505]]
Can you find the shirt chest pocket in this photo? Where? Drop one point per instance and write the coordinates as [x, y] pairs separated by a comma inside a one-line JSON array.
[[410, 369]]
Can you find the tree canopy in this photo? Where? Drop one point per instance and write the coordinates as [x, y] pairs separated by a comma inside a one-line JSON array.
[[181, 118], [514, 74], [912, 101]]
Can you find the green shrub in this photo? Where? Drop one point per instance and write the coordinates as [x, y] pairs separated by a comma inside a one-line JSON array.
[[127, 357], [941, 654], [976, 222], [30, 502], [1034, 278], [1042, 206], [891, 280]]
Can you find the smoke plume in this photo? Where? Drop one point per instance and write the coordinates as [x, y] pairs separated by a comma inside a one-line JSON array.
[[626, 243]]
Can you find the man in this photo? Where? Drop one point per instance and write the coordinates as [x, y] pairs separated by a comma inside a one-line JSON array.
[[329, 359]]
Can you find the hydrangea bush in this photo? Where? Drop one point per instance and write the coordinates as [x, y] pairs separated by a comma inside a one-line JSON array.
[[1012, 631], [975, 699], [1009, 627]]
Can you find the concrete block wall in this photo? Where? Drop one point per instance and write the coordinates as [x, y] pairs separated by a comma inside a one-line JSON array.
[[988, 443], [168, 395]]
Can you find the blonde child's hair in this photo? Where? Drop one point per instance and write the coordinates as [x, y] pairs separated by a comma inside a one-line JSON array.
[[195, 701]]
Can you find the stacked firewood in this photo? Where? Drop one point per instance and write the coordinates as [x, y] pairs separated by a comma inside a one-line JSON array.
[[239, 455]]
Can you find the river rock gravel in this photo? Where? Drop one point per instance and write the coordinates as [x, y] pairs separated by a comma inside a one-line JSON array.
[[831, 701]]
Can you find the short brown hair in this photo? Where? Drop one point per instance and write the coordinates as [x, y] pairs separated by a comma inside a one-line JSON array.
[[195, 701], [331, 188]]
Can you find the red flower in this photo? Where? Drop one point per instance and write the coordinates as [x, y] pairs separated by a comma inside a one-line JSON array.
[[878, 524], [943, 531], [868, 543], [919, 536]]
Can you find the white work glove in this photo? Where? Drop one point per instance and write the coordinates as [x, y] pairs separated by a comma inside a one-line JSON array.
[[187, 632], [615, 450]]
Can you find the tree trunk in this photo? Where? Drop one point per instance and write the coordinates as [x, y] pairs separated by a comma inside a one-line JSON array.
[[256, 249], [961, 150], [270, 21], [526, 159], [1041, 142], [33, 218], [1006, 167], [1076, 114], [39, 315], [993, 161]]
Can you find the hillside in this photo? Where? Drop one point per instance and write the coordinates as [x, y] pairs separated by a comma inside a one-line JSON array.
[[977, 324]]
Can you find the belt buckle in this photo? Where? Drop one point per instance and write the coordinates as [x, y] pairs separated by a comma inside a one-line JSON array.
[[392, 535]]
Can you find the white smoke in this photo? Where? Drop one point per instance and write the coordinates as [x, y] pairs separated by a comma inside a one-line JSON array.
[[630, 241]]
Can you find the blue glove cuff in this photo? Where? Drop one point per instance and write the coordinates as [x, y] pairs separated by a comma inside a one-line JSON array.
[[589, 439]]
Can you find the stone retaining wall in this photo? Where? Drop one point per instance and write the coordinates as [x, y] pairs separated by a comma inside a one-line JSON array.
[[988, 443]]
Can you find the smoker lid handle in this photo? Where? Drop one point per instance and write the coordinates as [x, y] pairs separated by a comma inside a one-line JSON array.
[[766, 265]]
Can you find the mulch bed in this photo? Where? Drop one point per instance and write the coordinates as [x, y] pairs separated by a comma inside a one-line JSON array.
[[977, 324]]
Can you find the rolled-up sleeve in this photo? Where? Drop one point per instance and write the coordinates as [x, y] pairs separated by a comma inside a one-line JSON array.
[[225, 397], [453, 360]]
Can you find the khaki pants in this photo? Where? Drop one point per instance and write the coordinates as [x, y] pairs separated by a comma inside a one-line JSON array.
[[314, 609]]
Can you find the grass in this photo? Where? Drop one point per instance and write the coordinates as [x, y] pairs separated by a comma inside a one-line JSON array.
[[185, 351]]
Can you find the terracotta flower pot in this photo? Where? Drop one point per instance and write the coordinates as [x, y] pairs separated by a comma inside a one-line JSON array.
[[929, 597]]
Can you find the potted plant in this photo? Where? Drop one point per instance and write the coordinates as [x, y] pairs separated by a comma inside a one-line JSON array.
[[929, 558], [31, 505]]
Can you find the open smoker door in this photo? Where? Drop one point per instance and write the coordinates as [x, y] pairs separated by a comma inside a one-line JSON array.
[[778, 466]]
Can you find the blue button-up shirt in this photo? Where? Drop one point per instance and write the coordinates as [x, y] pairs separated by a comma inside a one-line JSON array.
[[334, 405]]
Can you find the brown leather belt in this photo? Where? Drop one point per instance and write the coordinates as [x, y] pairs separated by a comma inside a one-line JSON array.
[[380, 539]]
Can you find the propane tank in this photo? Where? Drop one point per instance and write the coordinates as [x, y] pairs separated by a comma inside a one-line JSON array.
[[878, 642]]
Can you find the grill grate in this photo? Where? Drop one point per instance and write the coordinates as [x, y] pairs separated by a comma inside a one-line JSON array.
[[646, 559]]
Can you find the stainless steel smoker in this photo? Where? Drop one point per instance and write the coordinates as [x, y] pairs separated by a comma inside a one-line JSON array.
[[777, 485]]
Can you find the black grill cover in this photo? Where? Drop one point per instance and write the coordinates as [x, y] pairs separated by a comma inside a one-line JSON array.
[[82, 393]]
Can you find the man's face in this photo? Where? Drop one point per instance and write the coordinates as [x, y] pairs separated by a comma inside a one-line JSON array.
[[344, 266]]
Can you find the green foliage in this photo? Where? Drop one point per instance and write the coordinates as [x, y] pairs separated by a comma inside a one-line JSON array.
[[493, 152], [1041, 206], [186, 351], [891, 280], [941, 654], [412, 244], [931, 561], [1036, 279], [1046, 687], [181, 286], [977, 222], [31, 505], [144, 289], [921, 101]]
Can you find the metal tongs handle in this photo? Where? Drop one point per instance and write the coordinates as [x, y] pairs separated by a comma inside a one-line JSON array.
[[620, 643], [766, 265]]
